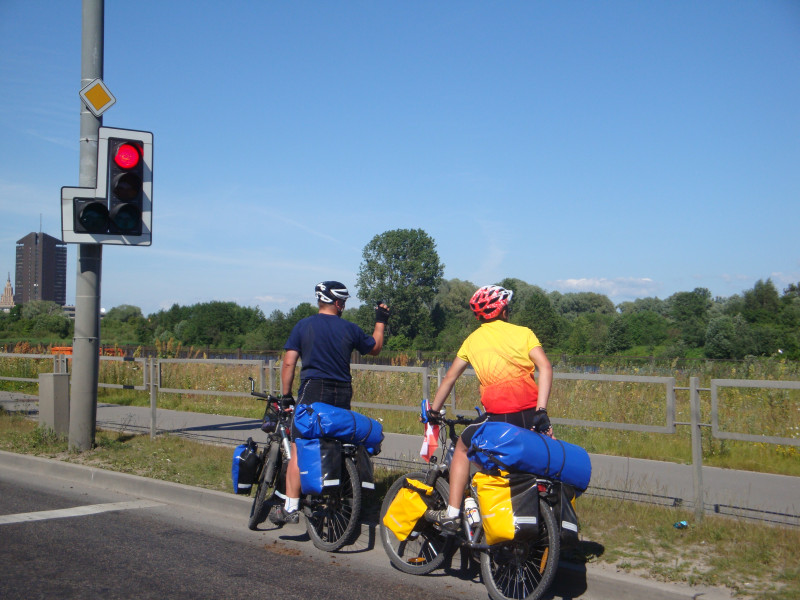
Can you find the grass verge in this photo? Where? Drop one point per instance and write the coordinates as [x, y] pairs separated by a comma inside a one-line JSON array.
[[755, 561]]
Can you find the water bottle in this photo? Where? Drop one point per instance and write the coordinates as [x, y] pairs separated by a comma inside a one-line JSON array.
[[451, 449], [287, 449], [471, 511]]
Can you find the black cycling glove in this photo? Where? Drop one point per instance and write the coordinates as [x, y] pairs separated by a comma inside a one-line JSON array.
[[434, 417], [541, 422], [381, 314]]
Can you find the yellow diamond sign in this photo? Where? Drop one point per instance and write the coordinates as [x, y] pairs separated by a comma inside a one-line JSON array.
[[97, 97]]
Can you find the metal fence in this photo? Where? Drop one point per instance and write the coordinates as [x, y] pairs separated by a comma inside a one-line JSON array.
[[151, 370]]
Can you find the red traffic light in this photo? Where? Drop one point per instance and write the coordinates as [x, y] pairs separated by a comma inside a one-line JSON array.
[[127, 156]]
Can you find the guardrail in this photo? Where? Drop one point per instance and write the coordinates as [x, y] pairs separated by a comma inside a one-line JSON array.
[[269, 380]]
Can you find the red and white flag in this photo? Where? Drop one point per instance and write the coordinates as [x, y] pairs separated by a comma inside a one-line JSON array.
[[430, 442]]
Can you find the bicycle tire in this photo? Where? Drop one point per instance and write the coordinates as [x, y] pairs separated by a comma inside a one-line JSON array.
[[333, 517], [266, 486], [524, 570], [426, 549]]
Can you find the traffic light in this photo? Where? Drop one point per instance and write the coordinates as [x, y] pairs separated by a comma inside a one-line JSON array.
[[120, 209], [125, 182]]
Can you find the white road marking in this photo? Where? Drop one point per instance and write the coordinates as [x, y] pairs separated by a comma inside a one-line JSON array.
[[77, 511]]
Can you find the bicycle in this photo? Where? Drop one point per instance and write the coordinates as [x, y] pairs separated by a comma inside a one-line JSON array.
[[518, 569], [333, 517]]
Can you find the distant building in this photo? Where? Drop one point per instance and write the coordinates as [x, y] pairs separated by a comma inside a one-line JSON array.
[[7, 299], [41, 269]]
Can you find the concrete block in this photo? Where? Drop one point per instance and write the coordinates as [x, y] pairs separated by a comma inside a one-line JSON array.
[[54, 402]]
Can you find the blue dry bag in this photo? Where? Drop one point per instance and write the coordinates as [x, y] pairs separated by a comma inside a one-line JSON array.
[[320, 462], [320, 420], [244, 467], [497, 445]]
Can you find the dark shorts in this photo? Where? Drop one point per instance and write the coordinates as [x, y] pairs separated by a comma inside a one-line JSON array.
[[330, 391], [523, 418]]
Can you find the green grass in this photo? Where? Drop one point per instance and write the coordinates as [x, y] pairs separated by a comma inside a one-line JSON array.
[[732, 454], [755, 560], [752, 559], [168, 458]]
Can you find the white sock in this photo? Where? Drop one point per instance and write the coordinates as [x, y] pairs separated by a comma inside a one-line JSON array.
[[452, 511], [291, 504]]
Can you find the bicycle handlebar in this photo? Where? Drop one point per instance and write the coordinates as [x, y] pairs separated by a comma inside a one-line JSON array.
[[457, 421], [282, 402]]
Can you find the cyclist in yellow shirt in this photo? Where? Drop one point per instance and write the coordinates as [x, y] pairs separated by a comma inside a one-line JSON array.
[[504, 357]]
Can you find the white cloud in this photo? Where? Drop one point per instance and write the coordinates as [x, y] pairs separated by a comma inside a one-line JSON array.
[[617, 289]]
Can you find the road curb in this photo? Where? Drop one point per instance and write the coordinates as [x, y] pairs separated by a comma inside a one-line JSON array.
[[145, 487]]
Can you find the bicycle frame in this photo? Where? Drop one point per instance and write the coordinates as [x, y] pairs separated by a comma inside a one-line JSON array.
[[469, 535], [332, 517]]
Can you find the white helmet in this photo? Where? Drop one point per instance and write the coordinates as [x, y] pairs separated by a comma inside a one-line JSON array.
[[330, 291]]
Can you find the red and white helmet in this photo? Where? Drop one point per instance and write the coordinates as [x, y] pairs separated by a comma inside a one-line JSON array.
[[489, 301]]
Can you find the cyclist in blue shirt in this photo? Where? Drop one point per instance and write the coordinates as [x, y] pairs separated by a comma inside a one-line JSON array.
[[324, 343]]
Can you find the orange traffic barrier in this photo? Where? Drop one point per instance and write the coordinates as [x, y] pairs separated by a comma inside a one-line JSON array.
[[103, 351]]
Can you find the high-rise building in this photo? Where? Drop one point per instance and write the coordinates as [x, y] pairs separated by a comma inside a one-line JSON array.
[[41, 269], [7, 299]]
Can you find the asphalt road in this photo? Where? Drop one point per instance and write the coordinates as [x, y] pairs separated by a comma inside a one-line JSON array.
[[145, 549], [70, 531]]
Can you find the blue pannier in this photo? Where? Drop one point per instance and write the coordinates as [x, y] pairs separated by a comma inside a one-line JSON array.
[[244, 467], [497, 445], [320, 420], [320, 462]]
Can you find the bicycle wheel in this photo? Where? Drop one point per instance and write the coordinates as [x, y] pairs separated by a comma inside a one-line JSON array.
[[523, 570], [332, 518], [425, 549], [266, 486]]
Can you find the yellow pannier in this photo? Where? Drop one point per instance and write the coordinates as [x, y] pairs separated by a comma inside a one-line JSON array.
[[509, 504], [407, 508]]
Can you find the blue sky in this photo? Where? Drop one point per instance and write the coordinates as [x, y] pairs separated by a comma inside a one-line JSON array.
[[628, 148]]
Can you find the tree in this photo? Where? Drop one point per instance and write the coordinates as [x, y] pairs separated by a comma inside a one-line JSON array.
[[575, 304], [522, 290], [645, 328], [124, 313], [452, 318], [721, 338], [45, 318], [644, 305], [402, 268], [689, 311], [761, 304], [588, 333], [538, 314], [619, 337], [125, 324]]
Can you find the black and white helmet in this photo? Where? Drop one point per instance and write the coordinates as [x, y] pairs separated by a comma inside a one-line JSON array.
[[330, 291]]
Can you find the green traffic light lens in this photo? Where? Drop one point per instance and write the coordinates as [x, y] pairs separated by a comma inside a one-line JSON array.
[[126, 218], [94, 217]]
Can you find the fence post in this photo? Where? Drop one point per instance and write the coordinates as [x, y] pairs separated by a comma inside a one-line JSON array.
[[271, 376], [426, 383], [152, 366], [697, 447]]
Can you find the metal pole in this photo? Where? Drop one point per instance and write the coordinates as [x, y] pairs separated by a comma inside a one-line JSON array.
[[153, 366], [86, 342], [697, 447]]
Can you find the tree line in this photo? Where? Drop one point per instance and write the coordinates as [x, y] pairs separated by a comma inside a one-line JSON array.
[[431, 314]]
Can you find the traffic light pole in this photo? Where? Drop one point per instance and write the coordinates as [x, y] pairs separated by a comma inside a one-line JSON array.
[[86, 341]]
